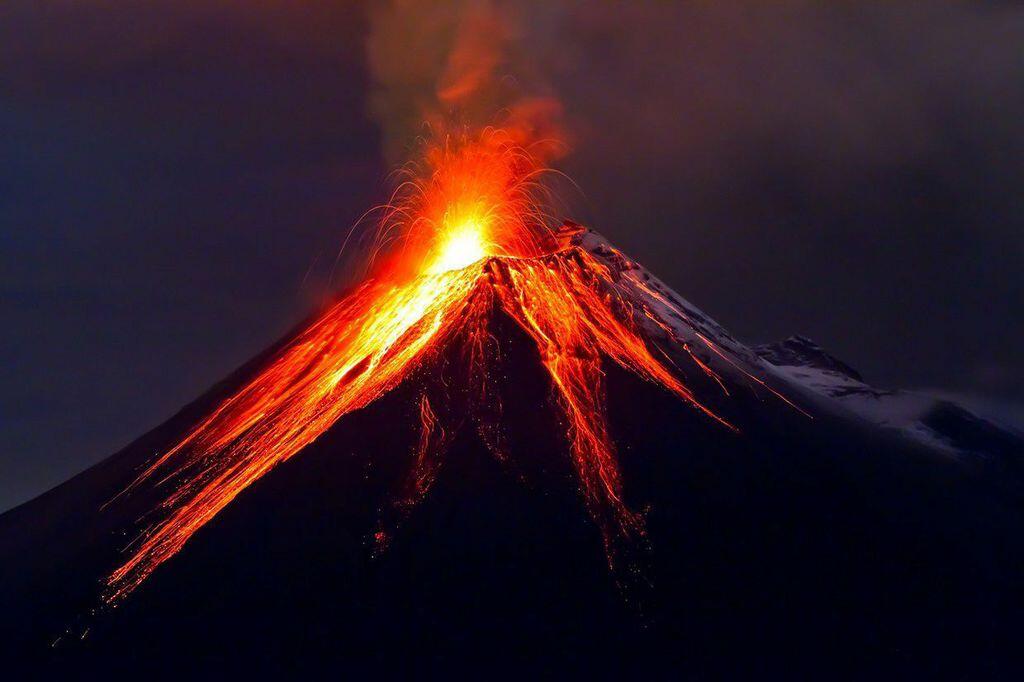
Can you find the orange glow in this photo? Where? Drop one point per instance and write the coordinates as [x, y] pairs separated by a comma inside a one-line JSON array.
[[466, 237], [462, 247]]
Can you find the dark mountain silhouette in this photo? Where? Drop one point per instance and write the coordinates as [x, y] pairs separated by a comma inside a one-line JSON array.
[[841, 545]]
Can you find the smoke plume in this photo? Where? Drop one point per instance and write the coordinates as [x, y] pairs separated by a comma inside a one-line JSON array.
[[438, 69]]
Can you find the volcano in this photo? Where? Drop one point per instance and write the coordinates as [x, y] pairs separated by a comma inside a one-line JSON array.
[[621, 488]]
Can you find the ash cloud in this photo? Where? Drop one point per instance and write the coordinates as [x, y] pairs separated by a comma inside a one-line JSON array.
[[439, 66]]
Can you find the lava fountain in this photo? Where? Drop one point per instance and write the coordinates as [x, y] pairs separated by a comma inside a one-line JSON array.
[[463, 235]]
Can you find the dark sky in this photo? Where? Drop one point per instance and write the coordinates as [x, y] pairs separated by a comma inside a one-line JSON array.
[[177, 176]]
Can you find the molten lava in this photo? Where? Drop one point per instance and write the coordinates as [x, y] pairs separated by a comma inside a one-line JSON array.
[[463, 237]]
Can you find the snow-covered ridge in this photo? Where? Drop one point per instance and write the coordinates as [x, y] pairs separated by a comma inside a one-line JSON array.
[[939, 423], [802, 370], [686, 319]]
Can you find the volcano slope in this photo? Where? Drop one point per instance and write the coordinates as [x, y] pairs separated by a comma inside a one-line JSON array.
[[808, 541]]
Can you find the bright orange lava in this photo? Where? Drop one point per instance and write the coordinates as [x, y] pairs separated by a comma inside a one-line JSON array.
[[466, 238]]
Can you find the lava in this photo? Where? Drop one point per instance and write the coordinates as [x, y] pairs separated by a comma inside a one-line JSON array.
[[463, 236]]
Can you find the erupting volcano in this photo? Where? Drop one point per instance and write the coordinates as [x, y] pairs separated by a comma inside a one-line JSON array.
[[472, 241], [504, 449]]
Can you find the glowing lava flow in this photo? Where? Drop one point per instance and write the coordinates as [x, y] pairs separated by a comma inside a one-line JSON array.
[[468, 242]]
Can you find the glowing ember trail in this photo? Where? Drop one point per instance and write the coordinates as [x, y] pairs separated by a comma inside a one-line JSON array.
[[464, 239]]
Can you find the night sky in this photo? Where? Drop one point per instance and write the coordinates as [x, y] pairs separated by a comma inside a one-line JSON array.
[[177, 178]]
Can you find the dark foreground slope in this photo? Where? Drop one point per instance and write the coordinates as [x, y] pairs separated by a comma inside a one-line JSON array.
[[797, 547]]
